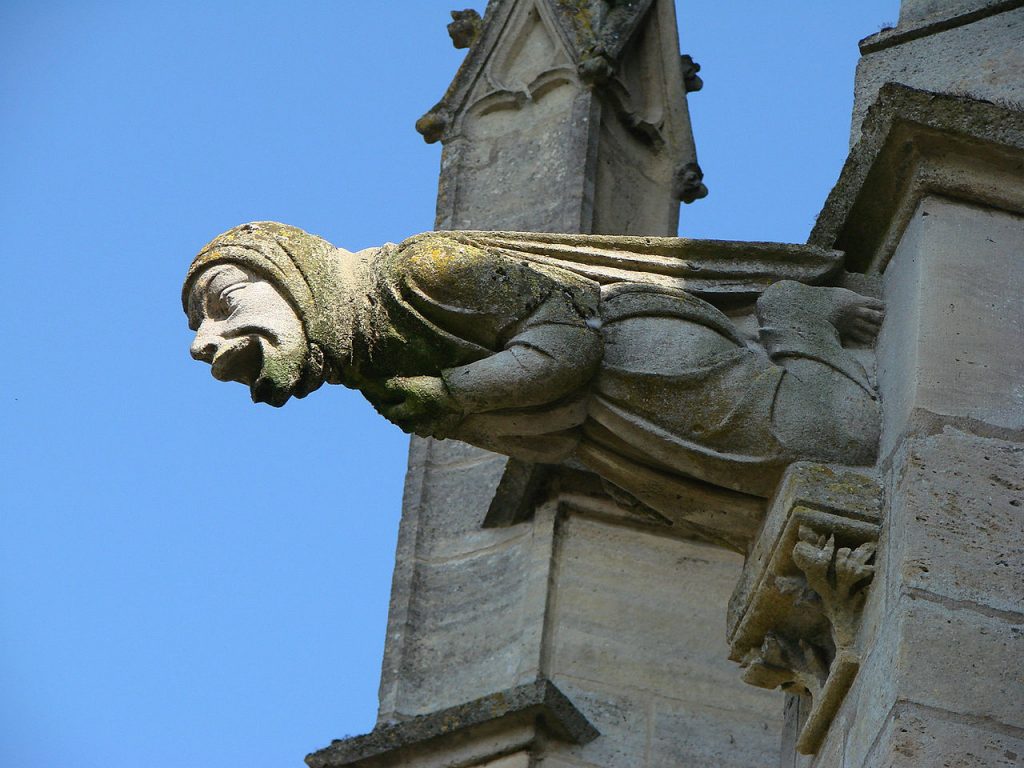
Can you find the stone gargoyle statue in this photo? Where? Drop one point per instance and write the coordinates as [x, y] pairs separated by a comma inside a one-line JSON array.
[[612, 352]]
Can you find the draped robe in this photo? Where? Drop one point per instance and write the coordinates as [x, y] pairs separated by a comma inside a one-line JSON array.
[[608, 352], [583, 359]]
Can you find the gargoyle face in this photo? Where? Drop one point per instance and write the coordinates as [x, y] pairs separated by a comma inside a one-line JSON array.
[[248, 332]]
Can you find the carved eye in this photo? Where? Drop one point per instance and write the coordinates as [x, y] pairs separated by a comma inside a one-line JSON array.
[[229, 298]]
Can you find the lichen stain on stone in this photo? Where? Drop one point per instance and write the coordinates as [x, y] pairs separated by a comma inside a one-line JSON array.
[[581, 14]]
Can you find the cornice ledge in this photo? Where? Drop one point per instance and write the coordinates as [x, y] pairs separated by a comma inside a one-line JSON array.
[[538, 704], [914, 143]]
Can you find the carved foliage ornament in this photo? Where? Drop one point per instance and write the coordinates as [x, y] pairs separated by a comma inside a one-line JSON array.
[[795, 615]]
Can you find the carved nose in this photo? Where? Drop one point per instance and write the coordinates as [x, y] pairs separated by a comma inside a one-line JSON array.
[[203, 348]]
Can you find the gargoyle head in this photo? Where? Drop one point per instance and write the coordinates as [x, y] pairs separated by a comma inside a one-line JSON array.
[[264, 300]]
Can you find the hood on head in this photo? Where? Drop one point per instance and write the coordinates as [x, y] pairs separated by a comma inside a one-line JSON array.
[[297, 263]]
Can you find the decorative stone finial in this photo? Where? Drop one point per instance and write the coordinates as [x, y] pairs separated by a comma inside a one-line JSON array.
[[433, 125], [688, 183], [595, 35], [465, 28], [691, 80]]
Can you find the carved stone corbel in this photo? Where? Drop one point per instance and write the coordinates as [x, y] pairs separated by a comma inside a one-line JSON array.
[[794, 616]]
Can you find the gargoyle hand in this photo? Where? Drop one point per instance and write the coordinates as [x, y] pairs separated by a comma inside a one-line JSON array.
[[857, 318], [421, 405]]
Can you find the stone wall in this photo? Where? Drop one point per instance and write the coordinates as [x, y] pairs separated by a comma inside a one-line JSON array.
[[942, 680]]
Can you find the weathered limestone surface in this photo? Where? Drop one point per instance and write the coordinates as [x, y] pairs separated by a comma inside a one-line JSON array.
[[576, 111], [443, 648], [953, 666], [450, 485], [632, 632], [509, 721], [970, 47], [794, 618], [948, 619], [931, 198], [454, 623], [914, 144], [920, 12], [946, 348], [583, 625], [960, 499], [917, 736], [541, 130], [628, 624]]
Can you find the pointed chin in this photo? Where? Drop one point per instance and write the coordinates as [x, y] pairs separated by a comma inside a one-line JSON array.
[[280, 377], [266, 390]]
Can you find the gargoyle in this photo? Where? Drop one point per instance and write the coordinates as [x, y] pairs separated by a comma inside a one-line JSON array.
[[611, 352]]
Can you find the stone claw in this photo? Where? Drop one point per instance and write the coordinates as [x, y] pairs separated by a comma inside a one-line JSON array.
[[813, 555], [852, 566]]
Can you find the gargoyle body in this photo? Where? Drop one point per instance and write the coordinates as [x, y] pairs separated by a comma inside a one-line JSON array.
[[548, 348]]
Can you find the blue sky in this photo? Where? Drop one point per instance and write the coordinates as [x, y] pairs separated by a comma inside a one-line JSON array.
[[187, 578]]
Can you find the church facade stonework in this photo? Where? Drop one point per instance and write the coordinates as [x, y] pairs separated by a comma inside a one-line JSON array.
[[656, 481]]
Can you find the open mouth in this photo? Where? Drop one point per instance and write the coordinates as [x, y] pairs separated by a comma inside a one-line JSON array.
[[239, 360]]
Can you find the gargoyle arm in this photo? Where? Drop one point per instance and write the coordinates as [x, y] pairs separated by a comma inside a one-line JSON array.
[[545, 360]]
